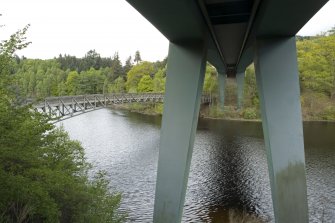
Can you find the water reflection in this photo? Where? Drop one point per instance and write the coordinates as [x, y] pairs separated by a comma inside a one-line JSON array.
[[228, 169]]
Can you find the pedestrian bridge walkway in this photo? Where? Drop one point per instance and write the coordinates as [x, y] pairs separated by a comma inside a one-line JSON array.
[[65, 107]]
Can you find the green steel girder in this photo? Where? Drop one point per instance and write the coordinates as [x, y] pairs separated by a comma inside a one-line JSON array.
[[183, 20]]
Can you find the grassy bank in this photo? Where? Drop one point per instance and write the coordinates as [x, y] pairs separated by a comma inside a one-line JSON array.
[[143, 108], [320, 111]]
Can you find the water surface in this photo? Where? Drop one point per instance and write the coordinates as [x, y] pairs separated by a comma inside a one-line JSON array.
[[228, 168]]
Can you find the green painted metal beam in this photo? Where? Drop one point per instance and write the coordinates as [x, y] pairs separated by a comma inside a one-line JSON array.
[[222, 83], [214, 58], [278, 84], [240, 88], [283, 17], [177, 20], [246, 59], [185, 78]]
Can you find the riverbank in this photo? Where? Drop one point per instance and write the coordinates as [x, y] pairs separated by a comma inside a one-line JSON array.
[[208, 112], [142, 108]]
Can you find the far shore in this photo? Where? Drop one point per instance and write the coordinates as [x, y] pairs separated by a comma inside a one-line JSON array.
[[202, 116]]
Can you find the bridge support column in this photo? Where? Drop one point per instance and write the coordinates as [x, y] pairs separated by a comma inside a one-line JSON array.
[[278, 85], [240, 87], [222, 81], [185, 77]]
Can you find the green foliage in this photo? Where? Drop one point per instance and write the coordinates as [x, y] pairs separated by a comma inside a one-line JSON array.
[[128, 65], [216, 111], [17, 41], [72, 83], [145, 85], [136, 73], [328, 113], [38, 78], [159, 107], [250, 113], [93, 74], [43, 173], [145, 108], [231, 92], [317, 64], [159, 81], [138, 58], [118, 86], [117, 69], [90, 82], [211, 80]]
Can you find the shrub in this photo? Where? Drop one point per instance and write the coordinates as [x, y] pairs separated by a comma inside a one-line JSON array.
[[250, 113], [329, 113], [43, 173]]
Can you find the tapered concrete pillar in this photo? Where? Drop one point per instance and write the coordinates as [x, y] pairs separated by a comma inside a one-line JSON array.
[[222, 81], [185, 77], [278, 85], [240, 87]]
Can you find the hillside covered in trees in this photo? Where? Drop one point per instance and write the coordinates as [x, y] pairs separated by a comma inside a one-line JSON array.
[[92, 74]]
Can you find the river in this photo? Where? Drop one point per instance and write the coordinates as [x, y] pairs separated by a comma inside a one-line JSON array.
[[228, 168]]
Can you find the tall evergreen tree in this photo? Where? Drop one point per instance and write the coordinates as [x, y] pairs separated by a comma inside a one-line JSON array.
[[128, 65], [137, 57], [116, 67]]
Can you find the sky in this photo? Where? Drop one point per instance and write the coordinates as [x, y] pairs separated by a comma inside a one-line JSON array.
[[108, 26]]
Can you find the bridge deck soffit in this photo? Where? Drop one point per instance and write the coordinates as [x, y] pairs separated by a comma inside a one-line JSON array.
[[233, 24]]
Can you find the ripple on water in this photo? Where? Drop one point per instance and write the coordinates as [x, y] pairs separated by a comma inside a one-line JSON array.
[[228, 168]]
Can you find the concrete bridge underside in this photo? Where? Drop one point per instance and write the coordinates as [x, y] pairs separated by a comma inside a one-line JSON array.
[[231, 34]]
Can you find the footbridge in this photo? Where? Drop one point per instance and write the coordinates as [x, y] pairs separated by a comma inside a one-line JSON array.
[[65, 107]]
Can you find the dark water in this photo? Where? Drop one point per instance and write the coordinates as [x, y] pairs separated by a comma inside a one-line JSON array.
[[228, 169]]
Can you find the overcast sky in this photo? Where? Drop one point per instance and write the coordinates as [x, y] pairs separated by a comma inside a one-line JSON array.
[[76, 26]]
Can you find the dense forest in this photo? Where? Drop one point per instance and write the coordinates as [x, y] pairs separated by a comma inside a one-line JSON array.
[[316, 64], [68, 75]]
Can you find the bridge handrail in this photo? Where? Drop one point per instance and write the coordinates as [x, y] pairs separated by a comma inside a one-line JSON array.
[[92, 95], [62, 106]]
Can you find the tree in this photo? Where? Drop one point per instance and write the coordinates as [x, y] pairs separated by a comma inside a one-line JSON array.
[[128, 65], [72, 83], [146, 84], [17, 41], [317, 64], [91, 60], [118, 86], [159, 81], [43, 173], [136, 73], [137, 57], [210, 82], [116, 68], [91, 82]]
